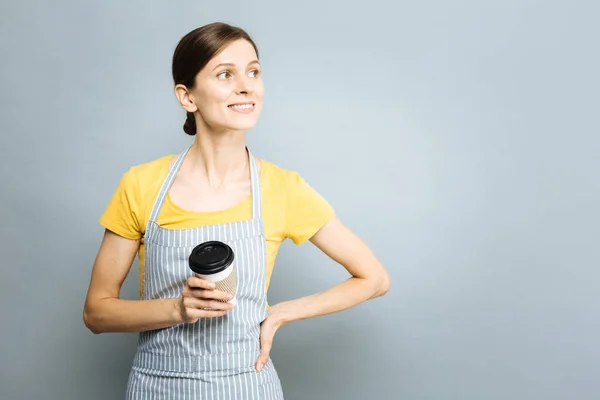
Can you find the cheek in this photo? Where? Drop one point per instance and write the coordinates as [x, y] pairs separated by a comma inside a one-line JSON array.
[[259, 93], [260, 89], [215, 96], [219, 95]]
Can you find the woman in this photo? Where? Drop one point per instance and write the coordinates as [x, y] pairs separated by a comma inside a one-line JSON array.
[[193, 342]]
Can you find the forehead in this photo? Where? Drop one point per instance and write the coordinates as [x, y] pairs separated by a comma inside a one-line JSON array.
[[239, 52]]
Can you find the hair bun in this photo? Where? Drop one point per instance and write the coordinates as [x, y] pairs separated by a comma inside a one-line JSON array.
[[189, 126]]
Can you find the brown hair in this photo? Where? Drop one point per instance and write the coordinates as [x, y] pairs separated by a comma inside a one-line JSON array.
[[196, 49]]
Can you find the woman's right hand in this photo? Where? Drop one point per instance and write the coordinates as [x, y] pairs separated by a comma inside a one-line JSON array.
[[200, 299]]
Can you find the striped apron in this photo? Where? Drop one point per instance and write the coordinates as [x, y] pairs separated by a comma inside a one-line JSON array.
[[214, 358]]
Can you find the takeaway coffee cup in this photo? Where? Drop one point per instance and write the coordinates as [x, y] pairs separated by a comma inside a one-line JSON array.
[[215, 261]]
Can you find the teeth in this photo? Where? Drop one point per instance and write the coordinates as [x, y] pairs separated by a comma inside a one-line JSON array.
[[242, 106]]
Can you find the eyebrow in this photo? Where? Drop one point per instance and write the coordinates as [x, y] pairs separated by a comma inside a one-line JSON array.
[[233, 65]]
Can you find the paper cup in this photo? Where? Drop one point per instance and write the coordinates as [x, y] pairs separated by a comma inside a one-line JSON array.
[[215, 261]]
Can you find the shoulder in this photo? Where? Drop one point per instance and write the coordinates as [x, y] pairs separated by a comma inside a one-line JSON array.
[[275, 176], [143, 181], [288, 184], [127, 210], [151, 169], [146, 177], [304, 209]]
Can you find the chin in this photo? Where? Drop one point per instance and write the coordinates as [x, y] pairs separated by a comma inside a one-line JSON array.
[[237, 123], [243, 124], [232, 127], [241, 128]]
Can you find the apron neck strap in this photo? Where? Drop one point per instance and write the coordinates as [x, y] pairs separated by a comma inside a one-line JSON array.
[[255, 183]]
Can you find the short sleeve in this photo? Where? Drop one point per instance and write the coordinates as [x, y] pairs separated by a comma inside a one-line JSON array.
[[122, 214], [306, 212]]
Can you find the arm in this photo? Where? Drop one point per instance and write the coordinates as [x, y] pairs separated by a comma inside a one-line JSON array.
[[368, 280], [104, 311]]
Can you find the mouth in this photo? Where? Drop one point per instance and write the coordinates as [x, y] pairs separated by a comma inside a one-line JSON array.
[[242, 107]]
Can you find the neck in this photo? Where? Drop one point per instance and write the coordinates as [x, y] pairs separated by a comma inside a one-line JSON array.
[[218, 158]]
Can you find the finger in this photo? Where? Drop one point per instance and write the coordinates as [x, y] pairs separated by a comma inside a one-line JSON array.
[[211, 294], [265, 349], [204, 304], [197, 313], [208, 304], [196, 282]]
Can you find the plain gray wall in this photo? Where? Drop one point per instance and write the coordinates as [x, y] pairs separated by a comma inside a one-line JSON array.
[[457, 138]]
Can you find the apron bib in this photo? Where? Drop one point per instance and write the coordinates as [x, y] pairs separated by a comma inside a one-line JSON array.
[[212, 359]]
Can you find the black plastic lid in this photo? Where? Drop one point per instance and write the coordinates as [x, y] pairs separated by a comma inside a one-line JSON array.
[[210, 257]]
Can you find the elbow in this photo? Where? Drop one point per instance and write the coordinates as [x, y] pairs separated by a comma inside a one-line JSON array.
[[91, 321], [382, 285]]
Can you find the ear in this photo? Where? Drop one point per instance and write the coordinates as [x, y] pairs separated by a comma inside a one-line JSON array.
[[185, 98]]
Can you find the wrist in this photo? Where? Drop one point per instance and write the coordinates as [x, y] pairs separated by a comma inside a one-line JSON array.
[[280, 314], [175, 307]]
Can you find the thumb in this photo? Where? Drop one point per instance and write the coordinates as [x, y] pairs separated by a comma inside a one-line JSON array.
[[265, 349]]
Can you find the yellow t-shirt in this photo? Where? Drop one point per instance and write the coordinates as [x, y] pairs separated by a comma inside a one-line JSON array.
[[291, 208]]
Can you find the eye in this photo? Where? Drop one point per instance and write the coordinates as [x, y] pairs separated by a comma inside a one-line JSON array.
[[254, 73], [224, 75]]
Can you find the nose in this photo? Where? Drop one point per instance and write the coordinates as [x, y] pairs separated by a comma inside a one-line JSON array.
[[244, 85]]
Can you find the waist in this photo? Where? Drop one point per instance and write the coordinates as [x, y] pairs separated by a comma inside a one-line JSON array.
[[242, 360]]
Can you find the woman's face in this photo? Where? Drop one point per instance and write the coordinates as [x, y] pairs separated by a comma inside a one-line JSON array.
[[228, 91]]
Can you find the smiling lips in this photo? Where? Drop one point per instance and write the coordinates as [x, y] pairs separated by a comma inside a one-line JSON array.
[[244, 108]]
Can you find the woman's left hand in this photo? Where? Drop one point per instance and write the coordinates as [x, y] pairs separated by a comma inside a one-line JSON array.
[[267, 332]]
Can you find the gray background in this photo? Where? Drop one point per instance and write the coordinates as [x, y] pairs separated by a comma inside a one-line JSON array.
[[457, 138]]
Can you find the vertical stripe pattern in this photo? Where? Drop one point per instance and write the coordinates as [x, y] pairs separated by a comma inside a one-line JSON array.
[[212, 359]]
